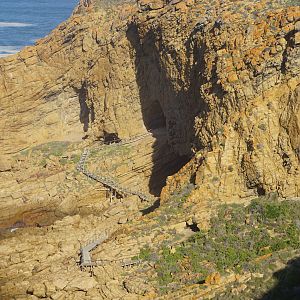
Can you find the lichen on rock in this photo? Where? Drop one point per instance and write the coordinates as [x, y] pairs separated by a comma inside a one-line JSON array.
[[194, 102]]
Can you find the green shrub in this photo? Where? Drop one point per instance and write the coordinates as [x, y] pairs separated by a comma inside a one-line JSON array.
[[145, 253], [238, 235], [75, 158], [168, 265]]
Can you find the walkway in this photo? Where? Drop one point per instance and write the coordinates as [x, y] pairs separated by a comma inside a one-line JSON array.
[[111, 184], [86, 259]]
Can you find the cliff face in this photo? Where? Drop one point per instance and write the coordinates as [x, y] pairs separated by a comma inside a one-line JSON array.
[[213, 89], [240, 75], [222, 79]]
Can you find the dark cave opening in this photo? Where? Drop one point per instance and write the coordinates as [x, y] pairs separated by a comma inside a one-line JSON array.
[[154, 117], [156, 93], [166, 162], [260, 190], [110, 138], [194, 227], [87, 113]]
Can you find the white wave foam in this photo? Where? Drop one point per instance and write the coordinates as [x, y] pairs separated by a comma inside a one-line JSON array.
[[14, 24], [8, 50], [4, 55]]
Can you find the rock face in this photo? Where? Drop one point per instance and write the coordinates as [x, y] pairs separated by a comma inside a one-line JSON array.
[[5, 164], [41, 188], [218, 81], [230, 90], [222, 81]]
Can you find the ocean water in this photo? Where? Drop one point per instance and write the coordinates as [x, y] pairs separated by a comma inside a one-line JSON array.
[[22, 22]]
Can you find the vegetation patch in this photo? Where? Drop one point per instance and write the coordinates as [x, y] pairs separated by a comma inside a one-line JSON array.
[[75, 158], [145, 253], [52, 148], [174, 207], [57, 149], [239, 239], [111, 150]]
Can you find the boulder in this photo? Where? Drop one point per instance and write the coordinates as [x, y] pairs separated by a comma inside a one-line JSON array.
[[81, 284]]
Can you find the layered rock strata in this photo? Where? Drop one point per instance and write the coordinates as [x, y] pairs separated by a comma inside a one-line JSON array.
[[218, 82], [43, 184], [222, 79]]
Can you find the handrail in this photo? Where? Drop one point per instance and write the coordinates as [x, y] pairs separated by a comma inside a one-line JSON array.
[[108, 182], [86, 259]]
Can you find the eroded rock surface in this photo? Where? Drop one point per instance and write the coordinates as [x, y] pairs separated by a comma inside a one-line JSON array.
[[213, 88]]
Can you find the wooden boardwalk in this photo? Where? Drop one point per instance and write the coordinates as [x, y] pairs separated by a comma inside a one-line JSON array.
[[110, 183], [86, 259]]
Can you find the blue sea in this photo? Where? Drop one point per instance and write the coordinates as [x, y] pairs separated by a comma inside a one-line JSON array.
[[22, 22]]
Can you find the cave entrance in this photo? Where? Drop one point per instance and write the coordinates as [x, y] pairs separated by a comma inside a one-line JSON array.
[[154, 116], [111, 138], [166, 161], [156, 93]]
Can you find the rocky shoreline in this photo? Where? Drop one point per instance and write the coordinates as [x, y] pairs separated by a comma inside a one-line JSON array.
[[190, 105]]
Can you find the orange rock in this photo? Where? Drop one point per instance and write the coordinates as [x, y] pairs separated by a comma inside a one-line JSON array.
[[232, 77], [181, 6], [190, 2], [260, 258], [214, 278]]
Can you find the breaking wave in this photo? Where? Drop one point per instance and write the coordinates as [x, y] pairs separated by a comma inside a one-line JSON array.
[[8, 50], [14, 24]]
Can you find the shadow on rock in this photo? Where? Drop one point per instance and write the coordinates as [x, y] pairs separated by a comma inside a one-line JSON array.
[[288, 283], [167, 112]]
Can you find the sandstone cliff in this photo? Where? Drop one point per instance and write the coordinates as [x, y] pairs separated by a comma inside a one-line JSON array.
[[222, 79], [216, 84]]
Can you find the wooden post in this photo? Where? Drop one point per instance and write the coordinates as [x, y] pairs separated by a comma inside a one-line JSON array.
[[92, 271]]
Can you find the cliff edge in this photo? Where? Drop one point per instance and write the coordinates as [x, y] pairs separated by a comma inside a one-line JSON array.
[[210, 89]]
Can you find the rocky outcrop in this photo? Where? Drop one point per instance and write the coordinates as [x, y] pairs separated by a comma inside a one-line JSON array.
[[234, 99], [231, 96], [43, 185], [217, 85]]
